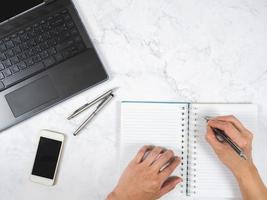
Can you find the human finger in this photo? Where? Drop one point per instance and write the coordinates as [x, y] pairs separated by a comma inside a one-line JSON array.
[[233, 120], [141, 153], [169, 169], [211, 139], [153, 155], [169, 185], [229, 129]]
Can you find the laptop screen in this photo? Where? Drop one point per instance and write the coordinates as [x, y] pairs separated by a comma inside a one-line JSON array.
[[11, 8]]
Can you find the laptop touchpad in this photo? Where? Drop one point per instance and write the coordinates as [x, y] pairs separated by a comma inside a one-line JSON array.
[[31, 96]]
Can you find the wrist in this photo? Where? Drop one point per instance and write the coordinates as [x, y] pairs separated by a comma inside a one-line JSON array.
[[245, 172], [117, 195]]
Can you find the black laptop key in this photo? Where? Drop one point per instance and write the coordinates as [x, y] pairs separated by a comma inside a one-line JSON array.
[[64, 45], [70, 24], [7, 72], [1, 76], [22, 56], [16, 41], [49, 61], [2, 48], [6, 63], [67, 17], [29, 53], [46, 36], [57, 22], [24, 37], [1, 66], [31, 43], [24, 46], [39, 39], [2, 87], [21, 65], [9, 53], [44, 54], [44, 46], [29, 62], [52, 42], [14, 60], [74, 31], [2, 57], [14, 69], [36, 58], [9, 44], [21, 75], [51, 51], [17, 50], [77, 39]]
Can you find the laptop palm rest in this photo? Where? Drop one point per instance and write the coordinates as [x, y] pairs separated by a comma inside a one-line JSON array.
[[22, 100]]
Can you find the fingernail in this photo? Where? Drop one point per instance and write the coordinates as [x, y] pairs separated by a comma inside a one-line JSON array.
[[179, 180], [177, 158]]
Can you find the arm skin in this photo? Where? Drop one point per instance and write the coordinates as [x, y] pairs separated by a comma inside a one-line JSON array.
[[245, 172]]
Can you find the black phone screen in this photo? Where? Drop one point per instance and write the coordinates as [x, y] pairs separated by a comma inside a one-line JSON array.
[[11, 8], [46, 158]]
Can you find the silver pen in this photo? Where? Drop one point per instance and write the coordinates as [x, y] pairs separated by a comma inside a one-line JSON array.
[[97, 110], [88, 105]]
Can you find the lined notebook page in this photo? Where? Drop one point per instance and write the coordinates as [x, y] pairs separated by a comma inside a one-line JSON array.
[[212, 178], [163, 124]]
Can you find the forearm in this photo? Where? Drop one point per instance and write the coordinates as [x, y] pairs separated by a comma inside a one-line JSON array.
[[250, 183]]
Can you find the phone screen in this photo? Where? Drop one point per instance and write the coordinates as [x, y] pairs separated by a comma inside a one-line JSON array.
[[46, 158]]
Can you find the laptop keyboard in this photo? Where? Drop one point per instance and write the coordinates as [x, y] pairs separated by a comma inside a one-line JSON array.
[[38, 47]]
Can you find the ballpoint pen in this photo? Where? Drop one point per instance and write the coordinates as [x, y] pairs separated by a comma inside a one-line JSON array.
[[97, 110], [103, 99], [221, 136], [88, 105]]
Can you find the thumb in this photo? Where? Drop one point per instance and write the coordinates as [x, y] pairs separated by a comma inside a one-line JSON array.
[[169, 185]]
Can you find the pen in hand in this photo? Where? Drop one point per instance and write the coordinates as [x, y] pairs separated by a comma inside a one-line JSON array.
[[221, 136]]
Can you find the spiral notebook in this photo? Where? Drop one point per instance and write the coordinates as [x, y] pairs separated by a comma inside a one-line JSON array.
[[182, 127]]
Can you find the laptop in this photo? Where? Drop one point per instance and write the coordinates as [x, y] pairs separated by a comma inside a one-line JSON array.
[[46, 56]]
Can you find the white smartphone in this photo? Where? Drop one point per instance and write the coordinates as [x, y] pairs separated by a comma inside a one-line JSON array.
[[47, 157]]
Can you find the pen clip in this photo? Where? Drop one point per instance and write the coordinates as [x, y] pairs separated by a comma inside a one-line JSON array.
[[81, 108]]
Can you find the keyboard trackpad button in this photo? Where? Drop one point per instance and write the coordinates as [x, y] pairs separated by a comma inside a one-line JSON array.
[[31, 96]]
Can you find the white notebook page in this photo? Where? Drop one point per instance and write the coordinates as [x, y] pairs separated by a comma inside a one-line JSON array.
[[145, 123], [213, 179]]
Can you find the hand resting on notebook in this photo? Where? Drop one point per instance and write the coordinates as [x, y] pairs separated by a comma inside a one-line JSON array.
[[147, 176], [247, 176]]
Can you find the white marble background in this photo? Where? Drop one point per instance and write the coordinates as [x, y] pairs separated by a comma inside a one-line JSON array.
[[178, 50]]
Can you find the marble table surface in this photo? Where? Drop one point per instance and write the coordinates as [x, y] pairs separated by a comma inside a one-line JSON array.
[[171, 50]]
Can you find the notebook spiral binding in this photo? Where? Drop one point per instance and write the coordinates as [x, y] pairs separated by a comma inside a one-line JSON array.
[[192, 151], [184, 148]]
